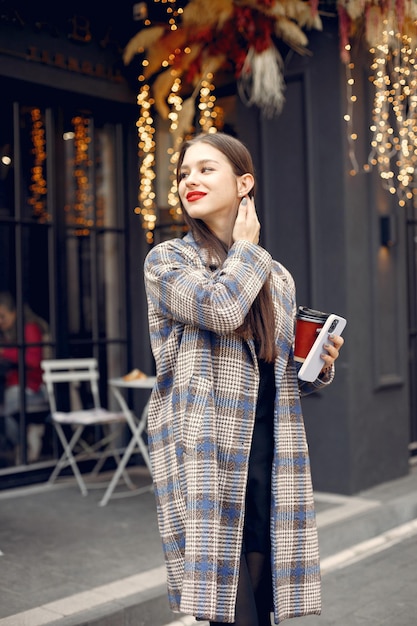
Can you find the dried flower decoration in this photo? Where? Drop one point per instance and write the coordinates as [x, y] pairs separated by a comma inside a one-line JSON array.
[[239, 32], [181, 61]]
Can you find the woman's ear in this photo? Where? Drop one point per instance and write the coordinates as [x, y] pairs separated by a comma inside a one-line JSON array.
[[244, 184]]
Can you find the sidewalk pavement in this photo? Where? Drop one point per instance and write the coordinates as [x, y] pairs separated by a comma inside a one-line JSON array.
[[65, 560]]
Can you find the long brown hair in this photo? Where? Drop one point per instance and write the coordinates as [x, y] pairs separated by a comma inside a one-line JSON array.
[[259, 323]]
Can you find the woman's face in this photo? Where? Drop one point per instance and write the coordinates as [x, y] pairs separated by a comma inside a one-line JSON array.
[[208, 187], [7, 318]]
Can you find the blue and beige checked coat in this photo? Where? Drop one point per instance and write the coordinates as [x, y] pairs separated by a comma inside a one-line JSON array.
[[201, 417]]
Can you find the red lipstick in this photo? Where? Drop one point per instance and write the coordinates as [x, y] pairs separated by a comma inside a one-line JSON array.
[[192, 196]]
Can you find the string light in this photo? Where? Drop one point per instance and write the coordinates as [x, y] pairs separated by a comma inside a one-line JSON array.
[[38, 186], [172, 12], [392, 39], [146, 152], [146, 145], [181, 116], [351, 99], [80, 209], [209, 113], [394, 128], [176, 102], [207, 105]]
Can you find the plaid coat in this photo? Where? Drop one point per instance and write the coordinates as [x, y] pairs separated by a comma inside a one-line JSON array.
[[200, 423]]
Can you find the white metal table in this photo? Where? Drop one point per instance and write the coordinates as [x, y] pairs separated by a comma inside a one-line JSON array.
[[137, 427]]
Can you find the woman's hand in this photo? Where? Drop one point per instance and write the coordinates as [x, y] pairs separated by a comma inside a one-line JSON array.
[[247, 225], [332, 352]]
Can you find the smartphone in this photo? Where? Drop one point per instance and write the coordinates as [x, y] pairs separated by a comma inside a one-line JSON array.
[[313, 364]]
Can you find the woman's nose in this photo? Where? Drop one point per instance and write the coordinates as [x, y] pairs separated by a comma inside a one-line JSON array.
[[191, 179]]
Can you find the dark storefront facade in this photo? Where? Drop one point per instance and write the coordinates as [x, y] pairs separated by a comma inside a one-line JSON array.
[[68, 185], [72, 247]]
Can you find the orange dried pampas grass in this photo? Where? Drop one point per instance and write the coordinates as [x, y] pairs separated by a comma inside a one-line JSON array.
[[158, 43], [185, 120], [161, 89], [207, 13], [372, 18], [261, 81], [141, 42], [162, 48], [300, 11], [211, 65], [177, 49], [292, 34], [163, 82], [184, 61], [186, 115]]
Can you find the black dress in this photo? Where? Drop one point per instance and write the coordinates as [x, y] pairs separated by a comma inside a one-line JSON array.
[[256, 533]]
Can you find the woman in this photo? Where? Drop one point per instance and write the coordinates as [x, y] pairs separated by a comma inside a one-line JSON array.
[[226, 435], [34, 330]]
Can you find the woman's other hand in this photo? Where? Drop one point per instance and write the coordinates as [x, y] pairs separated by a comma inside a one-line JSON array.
[[332, 348]]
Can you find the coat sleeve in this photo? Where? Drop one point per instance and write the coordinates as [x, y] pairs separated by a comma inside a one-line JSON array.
[[179, 287], [306, 388]]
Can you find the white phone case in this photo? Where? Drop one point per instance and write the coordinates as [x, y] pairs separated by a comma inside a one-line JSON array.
[[313, 364]]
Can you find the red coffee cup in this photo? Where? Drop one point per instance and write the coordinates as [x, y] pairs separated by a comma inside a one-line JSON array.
[[309, 324]]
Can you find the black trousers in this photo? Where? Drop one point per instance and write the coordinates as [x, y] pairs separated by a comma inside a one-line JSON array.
[[254, 592]]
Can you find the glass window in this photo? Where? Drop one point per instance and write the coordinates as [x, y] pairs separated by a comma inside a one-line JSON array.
[[93, 244], [6, 159], [62, 273]]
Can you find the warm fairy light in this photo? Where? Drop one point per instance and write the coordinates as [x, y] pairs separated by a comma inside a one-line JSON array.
[[38, 186], [394, 128], [172, 12], [348, 117], [146, 146], [81, 209], [207, 105], [176, 102], [209, 118], [390, 30], [146, 153]]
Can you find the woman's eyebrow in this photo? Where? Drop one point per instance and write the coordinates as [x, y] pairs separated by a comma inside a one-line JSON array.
[[201, 162]]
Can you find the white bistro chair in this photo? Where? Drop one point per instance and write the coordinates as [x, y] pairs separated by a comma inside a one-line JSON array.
[[72, 372]]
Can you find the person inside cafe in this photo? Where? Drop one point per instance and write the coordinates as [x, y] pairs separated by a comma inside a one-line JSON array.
[[35, 329]]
